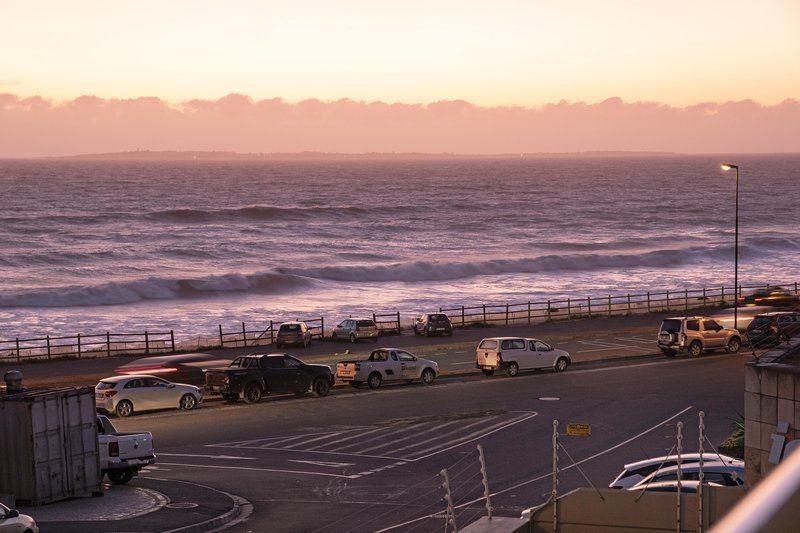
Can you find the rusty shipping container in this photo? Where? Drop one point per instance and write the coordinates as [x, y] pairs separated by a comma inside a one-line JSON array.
[[48, 444]]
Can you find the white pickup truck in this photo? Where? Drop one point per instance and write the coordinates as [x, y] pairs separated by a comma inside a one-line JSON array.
[[122, 455], [387, 364]]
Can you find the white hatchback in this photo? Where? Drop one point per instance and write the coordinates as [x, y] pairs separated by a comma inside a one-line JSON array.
[[124, 395], [513, 354]]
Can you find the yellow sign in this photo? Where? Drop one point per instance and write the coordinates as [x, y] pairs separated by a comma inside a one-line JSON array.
[[579, 430]]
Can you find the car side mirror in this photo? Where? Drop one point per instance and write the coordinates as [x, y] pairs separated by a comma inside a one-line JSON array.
[[13, 513]]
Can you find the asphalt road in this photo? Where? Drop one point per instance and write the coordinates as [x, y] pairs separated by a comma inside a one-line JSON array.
[[362, 460]]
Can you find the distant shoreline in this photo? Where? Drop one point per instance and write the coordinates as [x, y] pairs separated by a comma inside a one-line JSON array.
[[188, 155]]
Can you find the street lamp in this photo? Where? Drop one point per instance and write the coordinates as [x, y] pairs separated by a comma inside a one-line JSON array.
[[726, 167]]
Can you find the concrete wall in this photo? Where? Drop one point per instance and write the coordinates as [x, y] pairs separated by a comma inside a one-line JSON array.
[[772, 395]]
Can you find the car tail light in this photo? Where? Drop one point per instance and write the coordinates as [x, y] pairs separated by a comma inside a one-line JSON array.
[[759, 299], [499, 357], [113, 449], [110, 393]]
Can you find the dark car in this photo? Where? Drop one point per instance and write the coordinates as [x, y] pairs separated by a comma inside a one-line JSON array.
[[433, 324], [296, 333], [769, 329], [183, 368], [771, 296], [252, 376]]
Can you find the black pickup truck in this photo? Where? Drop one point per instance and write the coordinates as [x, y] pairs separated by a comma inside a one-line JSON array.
[[253, 376]]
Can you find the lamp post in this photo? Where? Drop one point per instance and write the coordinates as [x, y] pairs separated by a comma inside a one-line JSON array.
[[726, 167]]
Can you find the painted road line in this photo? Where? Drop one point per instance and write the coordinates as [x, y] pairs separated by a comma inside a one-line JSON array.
[[323, 452], [321, 463], [355, 435], [464, 363], [395, 432], [234, 457], [543, 476], [601, 343], [303, 443], [254, 469], [439, 435], [631, 339], [431, 427], [464, 438]]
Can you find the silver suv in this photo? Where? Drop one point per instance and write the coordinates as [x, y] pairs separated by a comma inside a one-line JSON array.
[[696, 334]]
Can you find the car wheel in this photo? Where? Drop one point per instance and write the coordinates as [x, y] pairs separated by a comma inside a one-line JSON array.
[[561, 364], [124, 408], [374, 380], [353, 338], [253, 393], [231, 398], [120, 477], [428, 376], [512, 369], [188, 402], [450, 333], [355, 384], [488, 372], [733, 345], [695, 349], [321, 387]]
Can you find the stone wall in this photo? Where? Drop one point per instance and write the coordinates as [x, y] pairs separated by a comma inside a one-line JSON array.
[[771, 413]]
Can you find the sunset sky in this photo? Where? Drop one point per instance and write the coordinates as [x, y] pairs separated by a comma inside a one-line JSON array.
[[490, 54]]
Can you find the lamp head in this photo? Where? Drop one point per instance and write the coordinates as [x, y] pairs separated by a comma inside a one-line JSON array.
[[728, 166]]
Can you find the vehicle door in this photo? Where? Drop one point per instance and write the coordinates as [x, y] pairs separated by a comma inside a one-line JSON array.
[[135, 391], [159, 393], [516, 350], [419, 325], [409, 366], [713, 335], [299, 378], [392, 368], [339, 330], [276, 375], [543, 353]]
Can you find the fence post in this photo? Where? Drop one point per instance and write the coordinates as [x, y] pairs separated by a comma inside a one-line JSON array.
[[398, 323], [722, 292], [795, 287], [609, 305], [244, 336], [589, 305], [484, 313], [485, 482], [450, 514], [686, 299], [108, 344], [629, 303], [529, 313], [221, 340], [667, 299], [146, 344], [172, 339], [648, 301], [79, 345], [271, 333], [704, 296], [506, 314], [18, 357], [48, 346], [463, 317], [375, 319], [440, 309], [569, 310], [549, 317], [322, 325]]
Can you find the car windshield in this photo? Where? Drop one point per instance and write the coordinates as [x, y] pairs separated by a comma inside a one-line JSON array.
[[106, 385], [671, 325], [290, 327], [760, 321], [365, 323]]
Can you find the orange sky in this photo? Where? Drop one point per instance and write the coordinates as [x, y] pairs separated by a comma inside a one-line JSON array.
[[510, 58]]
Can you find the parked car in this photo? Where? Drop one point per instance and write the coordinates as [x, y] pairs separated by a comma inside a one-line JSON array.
[[184, 368], [252, 376], [356, 329], [124, 395], [689, 487], [513, 354], [122, 455], [772, 296], [696, 334], [387, 364], [635, 472], [11, 521], [293, 333], [773, 328], [433, 324], [729, 475]]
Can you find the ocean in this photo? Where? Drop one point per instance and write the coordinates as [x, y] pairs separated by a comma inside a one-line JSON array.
[[91, 246]]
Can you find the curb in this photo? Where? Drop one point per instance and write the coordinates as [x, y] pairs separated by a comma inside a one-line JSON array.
[[241, 511]]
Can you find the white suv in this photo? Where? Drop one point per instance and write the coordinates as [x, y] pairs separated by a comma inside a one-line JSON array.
[[696, 334]]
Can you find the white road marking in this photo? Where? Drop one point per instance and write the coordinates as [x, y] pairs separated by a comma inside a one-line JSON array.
[[395, 432], [439, 435], [321, 463], [356, 434], [633, 339], [432, 427], [310, 451], [543, 476], [601, 343], [290, 446], [464, 363], [162, 454], [253, 469]]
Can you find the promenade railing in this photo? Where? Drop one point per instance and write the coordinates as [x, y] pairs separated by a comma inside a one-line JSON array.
[[86, 346]]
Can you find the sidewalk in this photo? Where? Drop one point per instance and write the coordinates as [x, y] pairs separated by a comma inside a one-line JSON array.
[[144, 505]]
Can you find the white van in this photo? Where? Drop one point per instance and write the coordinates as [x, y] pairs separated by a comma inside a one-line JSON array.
[[513, 354]]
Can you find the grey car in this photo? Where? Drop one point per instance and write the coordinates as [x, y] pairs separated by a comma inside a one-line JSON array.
[[356, 329]]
